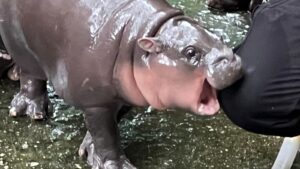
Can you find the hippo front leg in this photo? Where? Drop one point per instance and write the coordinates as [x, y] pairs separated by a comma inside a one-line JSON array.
[[87, 150], [101, 144], [32, 99]]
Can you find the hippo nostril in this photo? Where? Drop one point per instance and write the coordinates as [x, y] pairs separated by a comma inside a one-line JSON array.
[[225, 61], [222, 39], [221, 59]]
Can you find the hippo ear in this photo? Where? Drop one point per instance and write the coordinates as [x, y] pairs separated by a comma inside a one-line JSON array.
[[151, 45]]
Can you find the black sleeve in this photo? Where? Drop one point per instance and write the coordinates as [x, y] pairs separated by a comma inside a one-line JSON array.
[[267, 99]]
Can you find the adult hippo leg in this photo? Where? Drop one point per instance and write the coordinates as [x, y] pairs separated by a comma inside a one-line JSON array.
[[101, 144], [32, 100]]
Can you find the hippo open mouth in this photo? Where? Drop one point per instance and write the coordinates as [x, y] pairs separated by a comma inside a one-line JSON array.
[[208, 103]]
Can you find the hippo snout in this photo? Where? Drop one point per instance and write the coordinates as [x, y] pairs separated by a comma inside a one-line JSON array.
[[216, 56], [223, 67]]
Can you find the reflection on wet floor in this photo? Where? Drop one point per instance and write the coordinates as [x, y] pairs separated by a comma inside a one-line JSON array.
[[151, 139]]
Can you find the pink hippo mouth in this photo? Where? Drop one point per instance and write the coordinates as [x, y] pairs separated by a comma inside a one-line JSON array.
[[208, 101]]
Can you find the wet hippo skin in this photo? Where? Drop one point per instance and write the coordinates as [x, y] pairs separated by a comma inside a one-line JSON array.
[[103, 55], [234, 5]]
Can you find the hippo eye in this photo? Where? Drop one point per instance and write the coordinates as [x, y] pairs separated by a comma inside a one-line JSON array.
[[190, 52]]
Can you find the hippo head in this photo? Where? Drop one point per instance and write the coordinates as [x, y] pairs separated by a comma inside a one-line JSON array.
[[184, 66]]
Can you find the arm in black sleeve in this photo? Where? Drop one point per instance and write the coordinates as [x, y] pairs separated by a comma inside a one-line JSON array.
[[267, 99]]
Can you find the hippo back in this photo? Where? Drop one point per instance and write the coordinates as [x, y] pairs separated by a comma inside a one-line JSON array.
[[77, 43]]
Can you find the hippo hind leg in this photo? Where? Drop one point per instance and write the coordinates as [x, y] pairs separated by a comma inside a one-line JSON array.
[[32, 99]]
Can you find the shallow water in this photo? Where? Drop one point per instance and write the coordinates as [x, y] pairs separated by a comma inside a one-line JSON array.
[[151, 139]]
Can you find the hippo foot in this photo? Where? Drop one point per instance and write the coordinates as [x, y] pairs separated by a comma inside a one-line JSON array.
[[35, 108], [87, 151]]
